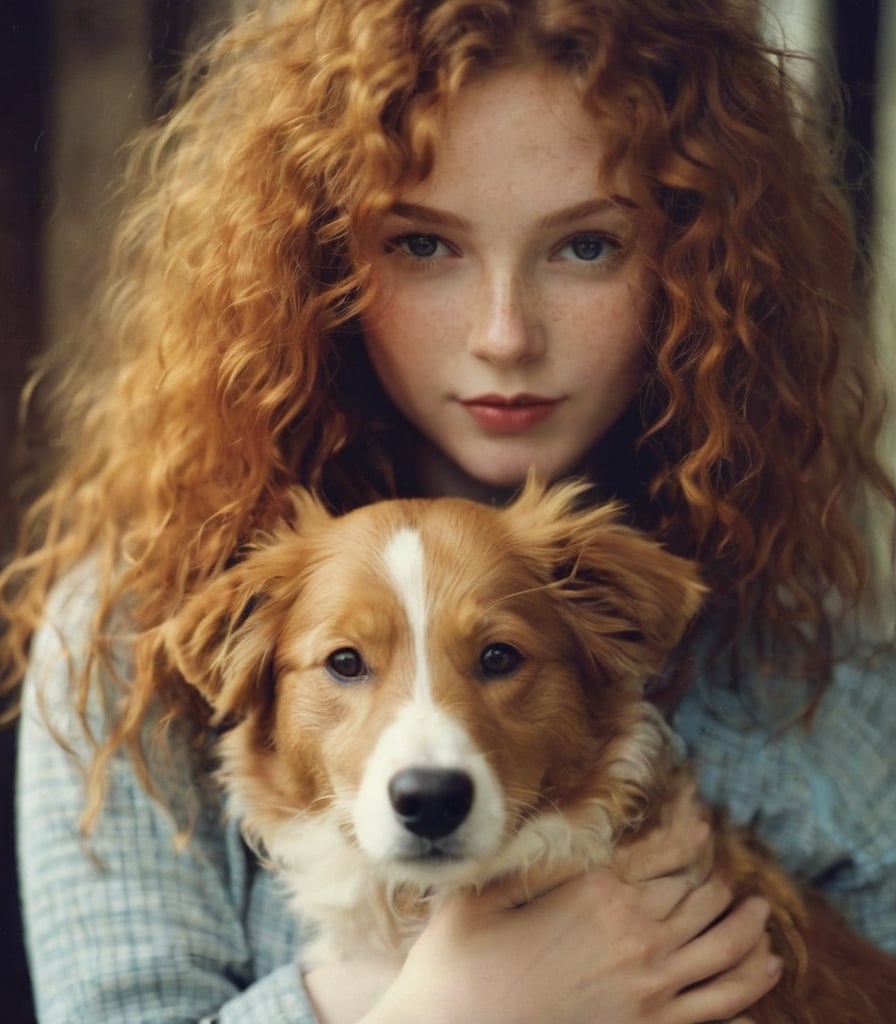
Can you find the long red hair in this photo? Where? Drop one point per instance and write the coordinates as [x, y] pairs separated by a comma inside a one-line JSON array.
[[228, 360]]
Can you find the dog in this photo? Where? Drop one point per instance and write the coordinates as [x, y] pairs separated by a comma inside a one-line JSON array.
[[424, 695]]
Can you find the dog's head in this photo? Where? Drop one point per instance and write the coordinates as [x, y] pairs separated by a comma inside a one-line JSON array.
[[427, 678]]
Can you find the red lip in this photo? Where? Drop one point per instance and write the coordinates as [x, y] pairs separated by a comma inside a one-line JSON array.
[[501, 414]]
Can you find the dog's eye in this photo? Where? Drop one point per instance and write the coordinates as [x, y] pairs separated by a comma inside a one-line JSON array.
[[499, 660], [346, 664]]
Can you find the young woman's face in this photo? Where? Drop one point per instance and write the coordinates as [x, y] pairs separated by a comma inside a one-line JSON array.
[[509, 324]]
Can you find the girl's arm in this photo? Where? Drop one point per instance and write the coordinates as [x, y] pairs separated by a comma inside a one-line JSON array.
[[822, 796], [122, 927]]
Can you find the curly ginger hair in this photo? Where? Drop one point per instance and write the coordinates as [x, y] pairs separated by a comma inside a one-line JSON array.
[[230, 361]]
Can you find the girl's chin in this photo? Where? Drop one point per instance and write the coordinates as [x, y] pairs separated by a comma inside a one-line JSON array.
[[440, 475]]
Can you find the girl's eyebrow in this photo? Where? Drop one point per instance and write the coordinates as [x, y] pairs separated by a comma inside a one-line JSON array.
[[591, 206], [443, 218], [431, 215]]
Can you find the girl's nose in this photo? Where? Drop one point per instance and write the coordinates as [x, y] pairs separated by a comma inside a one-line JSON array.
[[506, 327]]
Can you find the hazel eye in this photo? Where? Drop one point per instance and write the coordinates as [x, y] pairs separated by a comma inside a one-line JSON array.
[[346, 665], [499, 660]]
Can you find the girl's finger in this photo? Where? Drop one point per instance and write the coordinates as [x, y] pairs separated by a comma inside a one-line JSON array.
[[661, 897], [732, 992], [739, 935], [682, 842]]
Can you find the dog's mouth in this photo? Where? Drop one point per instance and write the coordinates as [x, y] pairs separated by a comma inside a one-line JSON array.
[[421, 851], [431, 865]]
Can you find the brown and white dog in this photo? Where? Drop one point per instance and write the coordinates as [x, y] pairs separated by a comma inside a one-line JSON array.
[[424, 695]]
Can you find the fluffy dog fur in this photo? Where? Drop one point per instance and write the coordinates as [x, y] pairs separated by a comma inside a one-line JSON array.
[[423, 695]]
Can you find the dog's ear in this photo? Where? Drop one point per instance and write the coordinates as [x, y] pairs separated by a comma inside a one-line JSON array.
[[222, 639], [631, 600]]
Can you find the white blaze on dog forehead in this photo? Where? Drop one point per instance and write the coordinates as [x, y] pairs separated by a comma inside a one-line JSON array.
[[406, 565]]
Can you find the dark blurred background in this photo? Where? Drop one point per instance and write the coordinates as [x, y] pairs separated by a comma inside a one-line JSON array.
[[77, 78]]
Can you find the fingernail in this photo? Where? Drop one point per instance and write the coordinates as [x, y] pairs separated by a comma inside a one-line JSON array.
[[774, 966]]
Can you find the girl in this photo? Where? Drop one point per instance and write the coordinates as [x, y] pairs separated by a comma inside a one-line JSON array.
[[402, 247]]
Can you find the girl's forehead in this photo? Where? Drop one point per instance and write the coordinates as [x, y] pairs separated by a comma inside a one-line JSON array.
[[519, 130], [515, 94]]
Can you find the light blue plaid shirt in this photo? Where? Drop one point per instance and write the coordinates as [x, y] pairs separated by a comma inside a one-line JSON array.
[[131, 930]]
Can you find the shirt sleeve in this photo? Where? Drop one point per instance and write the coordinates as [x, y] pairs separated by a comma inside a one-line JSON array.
[[822, 796], [130, 925]]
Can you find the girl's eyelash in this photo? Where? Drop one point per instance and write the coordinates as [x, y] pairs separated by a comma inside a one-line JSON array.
[[609, 245], [423, 249], [402, 244]]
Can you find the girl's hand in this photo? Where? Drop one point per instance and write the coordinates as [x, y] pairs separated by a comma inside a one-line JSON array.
[[584, 953], [665, 946]]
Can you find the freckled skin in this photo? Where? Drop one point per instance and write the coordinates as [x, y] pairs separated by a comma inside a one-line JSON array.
[[530, 292]]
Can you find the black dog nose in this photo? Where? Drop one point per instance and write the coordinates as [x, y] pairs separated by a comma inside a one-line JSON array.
[[431, 802]]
